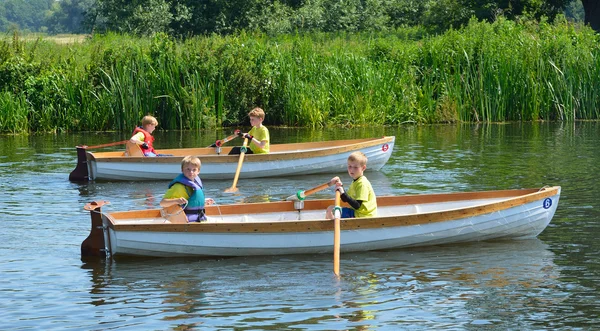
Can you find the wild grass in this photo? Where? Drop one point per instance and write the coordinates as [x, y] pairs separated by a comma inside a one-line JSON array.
[[485, 72], [13, 113]]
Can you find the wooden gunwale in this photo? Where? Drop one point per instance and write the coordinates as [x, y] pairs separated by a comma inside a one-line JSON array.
[[519, 197], [278, 152]]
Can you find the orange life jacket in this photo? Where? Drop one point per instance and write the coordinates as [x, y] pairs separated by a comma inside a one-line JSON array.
[[148, 139]]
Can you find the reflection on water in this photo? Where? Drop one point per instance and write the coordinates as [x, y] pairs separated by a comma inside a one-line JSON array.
[[481, 284], [547, 283]]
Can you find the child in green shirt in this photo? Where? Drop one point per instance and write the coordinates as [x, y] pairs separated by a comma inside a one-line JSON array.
[[258, 136], [360, 195]]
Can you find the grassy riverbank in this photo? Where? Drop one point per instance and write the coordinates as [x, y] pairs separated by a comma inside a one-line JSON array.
[[486, 72]]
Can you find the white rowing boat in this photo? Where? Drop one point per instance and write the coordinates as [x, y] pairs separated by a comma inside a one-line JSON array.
[[284, 160], [299, 227]]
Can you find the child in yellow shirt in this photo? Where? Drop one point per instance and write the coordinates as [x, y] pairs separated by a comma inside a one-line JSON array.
[[360, 195], [258, 136]]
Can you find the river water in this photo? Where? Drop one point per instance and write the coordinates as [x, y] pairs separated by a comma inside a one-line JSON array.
[[546, 283]]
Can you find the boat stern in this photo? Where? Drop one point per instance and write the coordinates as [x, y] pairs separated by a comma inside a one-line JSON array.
[[94, 246], [80, 173]]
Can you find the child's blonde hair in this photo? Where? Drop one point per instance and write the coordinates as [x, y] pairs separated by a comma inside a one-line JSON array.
[[191, 160], [359, 157], [257, 112], [149, 120]]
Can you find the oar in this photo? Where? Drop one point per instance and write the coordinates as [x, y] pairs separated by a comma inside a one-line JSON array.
[[220, 143], [337, 212], [301, 195], [233, 189], [106, 145]]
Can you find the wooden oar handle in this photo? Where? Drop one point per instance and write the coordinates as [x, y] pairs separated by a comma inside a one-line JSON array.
[[230, 138], [105, 145], [220, 143], [317, 189], [233, 187], [336, 234], [300, 195]]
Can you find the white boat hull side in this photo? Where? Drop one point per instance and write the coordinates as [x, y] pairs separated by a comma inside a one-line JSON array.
[[522, 222], [519, 222], [134, 170]]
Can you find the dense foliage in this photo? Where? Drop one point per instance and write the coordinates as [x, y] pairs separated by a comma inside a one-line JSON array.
[[201, 17], [499, 71], [52, 16]]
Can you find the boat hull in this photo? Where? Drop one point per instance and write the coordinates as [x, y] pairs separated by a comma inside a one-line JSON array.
[[284, 160], [279, 229]]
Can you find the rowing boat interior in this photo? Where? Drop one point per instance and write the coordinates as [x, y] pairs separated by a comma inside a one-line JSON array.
[[219, 214], [274, 148]]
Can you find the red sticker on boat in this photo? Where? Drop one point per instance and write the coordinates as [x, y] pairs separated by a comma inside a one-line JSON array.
[[385, 147]]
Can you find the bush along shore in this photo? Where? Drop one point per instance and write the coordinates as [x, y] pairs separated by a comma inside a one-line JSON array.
[[485, 72]]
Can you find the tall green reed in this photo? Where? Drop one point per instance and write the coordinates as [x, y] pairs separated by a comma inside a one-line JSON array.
[[485, 72], [13, 113]]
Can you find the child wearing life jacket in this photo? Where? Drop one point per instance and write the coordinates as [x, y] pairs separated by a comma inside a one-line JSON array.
[[186, 189], [142, 135]]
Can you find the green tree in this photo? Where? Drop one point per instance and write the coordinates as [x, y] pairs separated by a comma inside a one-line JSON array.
[[4, 23], [141, 17], [444, 14], [193, 17], [68, 16], [406, 12], [574, 11], [26, 14], [310, 16]]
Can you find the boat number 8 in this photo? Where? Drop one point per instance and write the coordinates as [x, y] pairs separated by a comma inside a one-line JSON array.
[[547, 203]]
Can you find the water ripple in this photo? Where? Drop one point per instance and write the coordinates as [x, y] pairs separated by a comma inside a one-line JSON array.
[[546, 283]]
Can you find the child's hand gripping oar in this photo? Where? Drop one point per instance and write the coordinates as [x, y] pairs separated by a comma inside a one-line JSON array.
[[301, 195], [220, 143]]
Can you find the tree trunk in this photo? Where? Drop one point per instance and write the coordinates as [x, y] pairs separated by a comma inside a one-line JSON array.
[[591, 8]]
